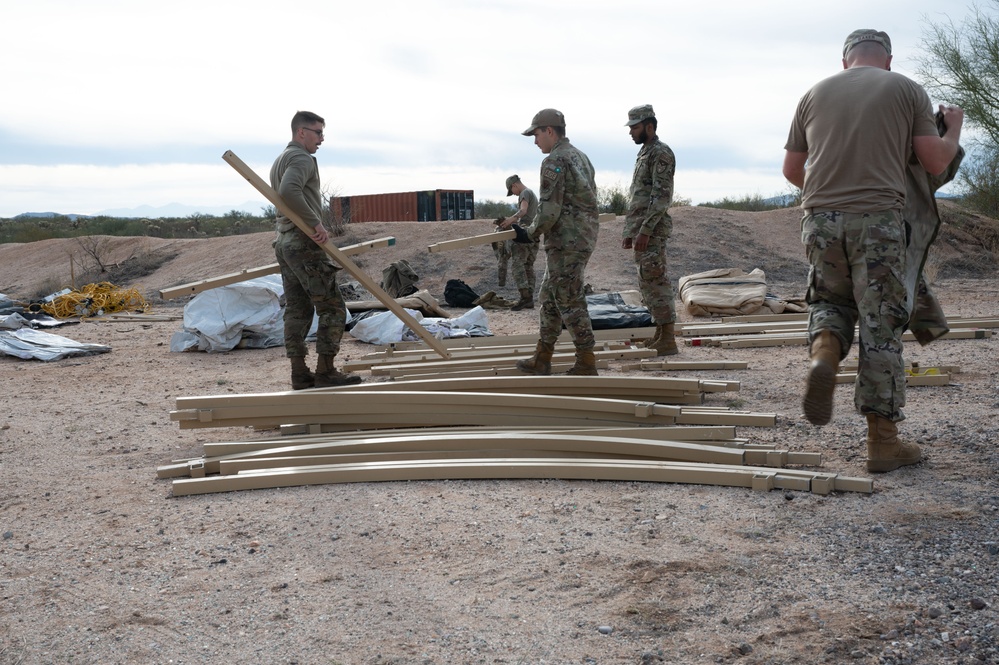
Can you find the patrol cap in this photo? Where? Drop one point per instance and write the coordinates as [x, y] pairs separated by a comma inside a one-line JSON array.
[[510, 182], [640, 114], [866, 35], [545, 118]]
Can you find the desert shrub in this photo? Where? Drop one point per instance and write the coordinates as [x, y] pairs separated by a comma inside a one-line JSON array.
[[489, 209], [757, 203]]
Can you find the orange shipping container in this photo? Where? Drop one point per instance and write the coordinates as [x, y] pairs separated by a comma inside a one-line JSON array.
[[433, 205]]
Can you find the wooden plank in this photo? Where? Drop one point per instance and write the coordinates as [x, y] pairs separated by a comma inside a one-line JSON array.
[[717, 434], [910, 380], [684, 365], [252, 273], [503, 361], [461, 243], [488, 238], [373, 287], [470, 442], [541, 468]]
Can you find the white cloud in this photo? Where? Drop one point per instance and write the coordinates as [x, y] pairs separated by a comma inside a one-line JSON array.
[[416, 95]]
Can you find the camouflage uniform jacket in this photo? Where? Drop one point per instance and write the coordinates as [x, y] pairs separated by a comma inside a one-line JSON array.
[[651, 192], [295, 177], [567, 211]]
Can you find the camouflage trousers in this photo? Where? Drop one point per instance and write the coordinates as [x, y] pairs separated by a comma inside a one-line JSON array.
[[522, 257], [310, 288], [653, 281], [562, 298], [501, 249], [857, 269]]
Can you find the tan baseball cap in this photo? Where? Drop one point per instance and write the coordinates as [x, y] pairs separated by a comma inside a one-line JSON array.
[[866, 35], [640, 114], [510, 182], [545, 118]]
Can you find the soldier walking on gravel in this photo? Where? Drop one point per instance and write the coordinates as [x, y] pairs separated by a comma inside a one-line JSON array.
[[523, 254], [856, 130], [567, 218], [307, 272], [648, 225]]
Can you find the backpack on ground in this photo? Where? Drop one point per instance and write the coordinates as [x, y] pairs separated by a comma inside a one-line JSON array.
[[459, 294]]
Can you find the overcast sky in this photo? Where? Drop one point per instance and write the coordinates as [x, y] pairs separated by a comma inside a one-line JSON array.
[[109, 104]]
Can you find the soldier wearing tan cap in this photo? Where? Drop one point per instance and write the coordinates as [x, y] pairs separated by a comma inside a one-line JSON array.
[[856, 131], [523, 255], [567, 218]]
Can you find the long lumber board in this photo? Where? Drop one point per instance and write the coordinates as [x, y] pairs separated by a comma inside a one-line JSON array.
[[362, 277], [251, 273], [590, 386], [471, 441], [412, 406], [502, 361], [535, 468], [487, 238], [715, 434]]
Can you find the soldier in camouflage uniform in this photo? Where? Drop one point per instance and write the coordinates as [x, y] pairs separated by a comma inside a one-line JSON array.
[[648, 225], [307, 272], [856, 130], [523, 254], [567, 218]]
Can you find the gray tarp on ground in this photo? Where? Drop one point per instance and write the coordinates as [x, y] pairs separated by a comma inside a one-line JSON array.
[[28, 344], [248, 314]]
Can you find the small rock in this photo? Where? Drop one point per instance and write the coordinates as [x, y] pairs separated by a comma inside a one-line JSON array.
[[935, 612], [745, 648], [978, 604], [7, 535], [605, 630]]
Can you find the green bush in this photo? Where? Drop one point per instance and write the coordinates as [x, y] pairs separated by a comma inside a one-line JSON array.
[[488, 209]]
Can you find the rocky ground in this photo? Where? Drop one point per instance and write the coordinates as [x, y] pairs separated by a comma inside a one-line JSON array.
[[99, 564]]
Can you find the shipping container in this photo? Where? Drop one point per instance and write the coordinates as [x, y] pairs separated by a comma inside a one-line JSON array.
[[435, 205]]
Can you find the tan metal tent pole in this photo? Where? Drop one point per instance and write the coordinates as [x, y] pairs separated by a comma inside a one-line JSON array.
[[252, 273], [331, 249]]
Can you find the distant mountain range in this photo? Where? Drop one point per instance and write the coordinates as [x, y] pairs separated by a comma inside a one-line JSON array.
[[155, 212]]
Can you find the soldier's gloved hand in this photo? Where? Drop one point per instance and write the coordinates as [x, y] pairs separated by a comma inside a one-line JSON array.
[[522, 236]]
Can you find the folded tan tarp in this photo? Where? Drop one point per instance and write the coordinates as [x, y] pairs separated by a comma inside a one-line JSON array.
[[724, 291]]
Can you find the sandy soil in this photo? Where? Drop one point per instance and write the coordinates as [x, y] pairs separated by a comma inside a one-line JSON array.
[[99, 564]]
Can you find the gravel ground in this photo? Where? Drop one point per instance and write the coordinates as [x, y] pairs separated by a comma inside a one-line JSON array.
[[99, 564]]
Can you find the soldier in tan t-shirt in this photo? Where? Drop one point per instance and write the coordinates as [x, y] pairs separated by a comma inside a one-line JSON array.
[[856, 131]]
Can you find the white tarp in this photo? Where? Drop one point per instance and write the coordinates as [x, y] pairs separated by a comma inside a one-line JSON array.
[[386, 327], [248, 314], [27, 343]]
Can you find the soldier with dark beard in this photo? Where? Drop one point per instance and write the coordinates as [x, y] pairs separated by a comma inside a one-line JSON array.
[[648, 225]]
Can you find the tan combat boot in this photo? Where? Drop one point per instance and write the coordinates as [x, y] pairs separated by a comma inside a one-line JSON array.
[[825, 354], [526, 301], [651, 342], [301, 377], [885, 451], [328, 376], [586, 363], [665, 344], [541, 362]]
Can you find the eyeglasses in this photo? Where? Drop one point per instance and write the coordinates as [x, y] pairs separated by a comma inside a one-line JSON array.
[[318, 132]]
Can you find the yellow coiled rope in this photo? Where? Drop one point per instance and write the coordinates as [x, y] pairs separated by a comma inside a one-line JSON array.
[[95, 300]]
